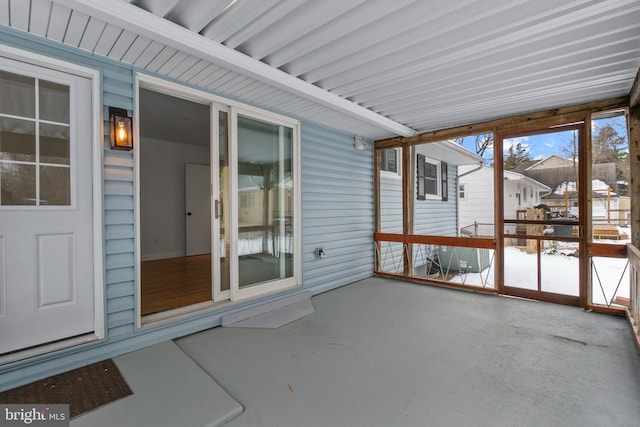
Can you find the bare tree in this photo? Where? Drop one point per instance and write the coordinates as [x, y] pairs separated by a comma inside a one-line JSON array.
[[570, 149], [481, 143]]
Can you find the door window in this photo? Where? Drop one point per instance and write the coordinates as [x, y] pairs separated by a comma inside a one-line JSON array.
[[35, 142]]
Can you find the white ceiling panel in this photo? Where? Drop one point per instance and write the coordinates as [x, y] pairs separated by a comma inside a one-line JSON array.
[[57, 22], [107, 39], [75, 28], [370, 67], [92, 34], [4, 12], [151, 51], [161, 58], [122, 44], [19, 14], [137, 49], [39, 17]]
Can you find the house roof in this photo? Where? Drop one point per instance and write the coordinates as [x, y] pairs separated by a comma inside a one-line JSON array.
[[450, 152], [468, 174], [369, 67], [515, 176], [564, 178], [540, 163]]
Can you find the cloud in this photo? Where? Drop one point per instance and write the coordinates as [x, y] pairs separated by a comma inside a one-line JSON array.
[[512, 142]]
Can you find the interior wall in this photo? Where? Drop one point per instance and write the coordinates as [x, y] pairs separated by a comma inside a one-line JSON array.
[[162, 204]]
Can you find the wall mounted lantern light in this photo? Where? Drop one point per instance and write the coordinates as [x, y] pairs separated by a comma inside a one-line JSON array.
[[120, 129]]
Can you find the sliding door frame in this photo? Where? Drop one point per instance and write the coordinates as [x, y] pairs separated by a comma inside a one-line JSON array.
[[232, 108]]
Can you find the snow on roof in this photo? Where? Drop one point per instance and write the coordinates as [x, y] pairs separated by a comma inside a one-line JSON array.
[[596, 185]]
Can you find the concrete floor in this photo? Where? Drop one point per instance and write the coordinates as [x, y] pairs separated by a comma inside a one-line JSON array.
[[387, 353]]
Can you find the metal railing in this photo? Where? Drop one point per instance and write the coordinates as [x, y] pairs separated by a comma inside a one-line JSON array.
[[478, 229]]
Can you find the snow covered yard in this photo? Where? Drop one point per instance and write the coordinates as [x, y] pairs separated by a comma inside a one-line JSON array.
[[559, 273]]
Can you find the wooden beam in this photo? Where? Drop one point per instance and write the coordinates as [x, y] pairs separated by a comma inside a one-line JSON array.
[[607, 250], [463, 242], [376, 205], [407, 208], [634, 165], [520, 122], [634, 94]]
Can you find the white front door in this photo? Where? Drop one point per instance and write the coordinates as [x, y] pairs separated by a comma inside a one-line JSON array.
[[46, 206]]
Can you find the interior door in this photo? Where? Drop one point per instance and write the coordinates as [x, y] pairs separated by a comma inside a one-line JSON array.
[[46, 217], [198, 209], [543, 215]]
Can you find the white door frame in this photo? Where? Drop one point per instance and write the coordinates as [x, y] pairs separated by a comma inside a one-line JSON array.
[[232, 108], [97, 179]]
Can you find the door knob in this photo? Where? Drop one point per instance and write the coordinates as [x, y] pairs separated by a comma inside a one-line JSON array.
[[188, 213]]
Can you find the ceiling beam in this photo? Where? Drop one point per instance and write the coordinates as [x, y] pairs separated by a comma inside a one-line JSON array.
[[519, 122], [634, 94], [139, 21]]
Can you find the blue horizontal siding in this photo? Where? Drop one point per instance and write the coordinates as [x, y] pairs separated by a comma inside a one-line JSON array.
[[437, 217], [337, 209], [337, 213]]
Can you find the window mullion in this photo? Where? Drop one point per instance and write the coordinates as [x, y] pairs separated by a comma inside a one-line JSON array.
[[37, 140]]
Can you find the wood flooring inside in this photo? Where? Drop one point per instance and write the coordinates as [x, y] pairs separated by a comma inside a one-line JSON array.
[[175, 282]]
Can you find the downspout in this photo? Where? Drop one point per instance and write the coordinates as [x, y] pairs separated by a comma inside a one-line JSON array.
[[481, 165]]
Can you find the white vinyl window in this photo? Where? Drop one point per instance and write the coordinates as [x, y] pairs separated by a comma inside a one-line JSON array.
[[462, 191], [390, 161], [432, 180]]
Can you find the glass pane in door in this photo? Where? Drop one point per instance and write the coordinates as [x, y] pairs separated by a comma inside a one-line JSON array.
[[222, 207], [541, 210], [265, 201]]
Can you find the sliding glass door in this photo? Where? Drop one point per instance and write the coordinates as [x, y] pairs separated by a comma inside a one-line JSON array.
[[255, 209], [219, 201], [265, 194]]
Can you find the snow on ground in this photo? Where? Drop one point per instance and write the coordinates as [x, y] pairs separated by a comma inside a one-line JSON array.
[[559, 273]]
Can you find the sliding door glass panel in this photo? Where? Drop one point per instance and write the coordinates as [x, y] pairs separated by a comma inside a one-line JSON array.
[[222, 209], [265, 202]]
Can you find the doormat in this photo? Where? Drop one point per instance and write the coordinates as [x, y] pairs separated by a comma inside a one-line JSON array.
[[83, 389]]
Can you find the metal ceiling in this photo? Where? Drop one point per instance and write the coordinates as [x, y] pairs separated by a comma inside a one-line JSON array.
[[355, 64]]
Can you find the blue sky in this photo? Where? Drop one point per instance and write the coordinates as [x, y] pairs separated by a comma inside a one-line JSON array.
[[541, 146]]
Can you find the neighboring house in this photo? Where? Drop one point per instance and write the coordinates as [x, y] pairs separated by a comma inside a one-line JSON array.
[[435, 168], [476, 195], [560, 175], [551, 162]]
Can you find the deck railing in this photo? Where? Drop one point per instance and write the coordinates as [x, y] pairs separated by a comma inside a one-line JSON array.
[[634, 276]]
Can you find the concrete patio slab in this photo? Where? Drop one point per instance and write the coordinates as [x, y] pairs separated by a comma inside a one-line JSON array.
[[169, 390], [383, 352]]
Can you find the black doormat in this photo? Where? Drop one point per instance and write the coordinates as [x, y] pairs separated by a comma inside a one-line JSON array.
[[84, 389]]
